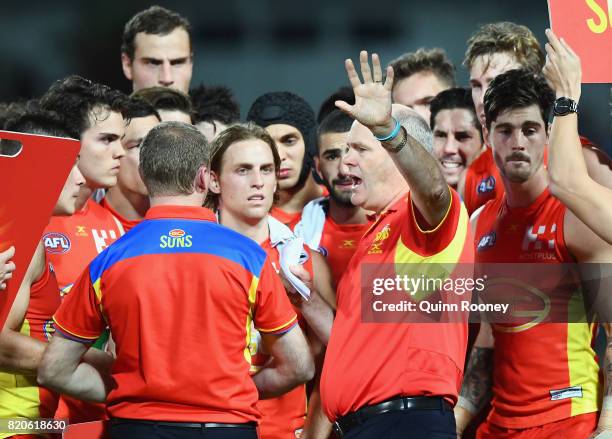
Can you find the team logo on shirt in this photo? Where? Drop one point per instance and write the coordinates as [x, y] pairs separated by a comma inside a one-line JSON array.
[[56, 242], [376, 246], [176, 238], [486, 185], [539, 243], [80, 231], [348, 243], [487, 241]]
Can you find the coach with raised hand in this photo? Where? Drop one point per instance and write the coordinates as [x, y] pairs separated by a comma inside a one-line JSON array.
[[384, 380]]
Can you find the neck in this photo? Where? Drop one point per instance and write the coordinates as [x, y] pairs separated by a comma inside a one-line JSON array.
[[393, 196], [257, 229], [84, 193], [293, 200], [342, 214], [129, 205], [193, 200], [523, 194]]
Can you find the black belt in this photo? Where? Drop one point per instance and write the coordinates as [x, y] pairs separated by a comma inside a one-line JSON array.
[[200, 425], [358, 417]]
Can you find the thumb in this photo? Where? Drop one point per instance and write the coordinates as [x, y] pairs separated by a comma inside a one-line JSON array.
[[344, 107], [300, 272]]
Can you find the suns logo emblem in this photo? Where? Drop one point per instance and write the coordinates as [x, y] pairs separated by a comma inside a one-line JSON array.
[[176, 238]]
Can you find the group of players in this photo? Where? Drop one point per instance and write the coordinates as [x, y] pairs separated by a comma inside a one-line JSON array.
[[389, 172]]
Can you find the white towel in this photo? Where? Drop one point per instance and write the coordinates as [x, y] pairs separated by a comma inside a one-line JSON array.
[[310, 227], [290, 251]]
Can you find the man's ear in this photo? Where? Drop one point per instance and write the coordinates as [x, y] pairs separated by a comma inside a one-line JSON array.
[[214, 185], [202, 180], [317, 164], [126, 64], [485, 135]]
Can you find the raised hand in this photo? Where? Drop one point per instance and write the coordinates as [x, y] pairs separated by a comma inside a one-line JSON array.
[[372, 96], [562, 69]]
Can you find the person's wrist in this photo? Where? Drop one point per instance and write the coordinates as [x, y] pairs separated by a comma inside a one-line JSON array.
[[574, 95], [384, 129]]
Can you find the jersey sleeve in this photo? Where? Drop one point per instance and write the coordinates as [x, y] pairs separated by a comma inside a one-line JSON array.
[[80, 317], [419, 237], [274, 314]]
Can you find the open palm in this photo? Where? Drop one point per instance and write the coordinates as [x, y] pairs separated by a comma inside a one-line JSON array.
[[372, 97]]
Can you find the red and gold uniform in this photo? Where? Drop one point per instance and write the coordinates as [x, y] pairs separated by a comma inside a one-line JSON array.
[[125, 223], [543, 372], [367, 363], [288, 219], [179, 286], [20, 394], [74, 241], [281, 417], [482, 182]]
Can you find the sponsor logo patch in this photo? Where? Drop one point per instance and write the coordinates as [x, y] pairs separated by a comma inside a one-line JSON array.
[[568, 392], [487, 241], [56, 242], [486, 185], [176, 238]]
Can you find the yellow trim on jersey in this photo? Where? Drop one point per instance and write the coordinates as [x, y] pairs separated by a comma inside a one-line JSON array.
[[74, 333], [289, 323], [412, 208], [582, 367], [252, 297]]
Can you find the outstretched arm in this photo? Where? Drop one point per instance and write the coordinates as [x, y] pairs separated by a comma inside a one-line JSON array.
[[408, 149], [569, 179], [6, 266]]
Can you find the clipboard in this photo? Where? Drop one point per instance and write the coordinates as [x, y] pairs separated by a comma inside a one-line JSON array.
[[30, 184]]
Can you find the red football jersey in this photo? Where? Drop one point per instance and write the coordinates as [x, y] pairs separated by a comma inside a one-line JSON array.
[[179, 286], [367, 363], [74, 241], [283, 416], [20, 395], [288, 219], [543, 372]]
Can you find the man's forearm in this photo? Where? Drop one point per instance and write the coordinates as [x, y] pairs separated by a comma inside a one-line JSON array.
[[85, 383], [317, 425], [274, 381], [319, 316], [20, 353], [477, 384], [605, 418], [566, 164]]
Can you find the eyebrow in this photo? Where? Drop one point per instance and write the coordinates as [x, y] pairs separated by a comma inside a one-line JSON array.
[[332, 150], [251, 165]]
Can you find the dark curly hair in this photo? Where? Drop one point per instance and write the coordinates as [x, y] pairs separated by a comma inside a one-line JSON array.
[[517, 89], [211, 103], [82, 102]]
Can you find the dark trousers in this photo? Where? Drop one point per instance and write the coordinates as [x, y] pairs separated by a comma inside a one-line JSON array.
[[140, 430], [408, 424]]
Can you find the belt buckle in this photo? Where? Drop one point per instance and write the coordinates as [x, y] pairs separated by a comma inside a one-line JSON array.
[[338, 429]]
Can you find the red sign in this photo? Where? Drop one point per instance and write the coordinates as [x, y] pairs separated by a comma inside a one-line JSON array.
[[30, 185], [586, 25]]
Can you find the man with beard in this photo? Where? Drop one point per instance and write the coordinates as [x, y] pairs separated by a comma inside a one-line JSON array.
[[333, 225], [457, 132]]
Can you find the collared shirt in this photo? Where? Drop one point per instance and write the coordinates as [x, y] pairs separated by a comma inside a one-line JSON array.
[[179, 293]]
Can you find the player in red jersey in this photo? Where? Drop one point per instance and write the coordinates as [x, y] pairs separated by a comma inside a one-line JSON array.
[[244, 169], [28, 327], [128, 200], [93, 113], [291, 122], [494, 49], [156, 50], [333, 225], [570, 181], [382, 380], [527, 224], [178, 279]]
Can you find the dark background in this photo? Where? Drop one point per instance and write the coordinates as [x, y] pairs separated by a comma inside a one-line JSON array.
[[261, 45]]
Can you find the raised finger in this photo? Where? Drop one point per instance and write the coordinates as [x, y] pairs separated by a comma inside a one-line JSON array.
[[376, 68], [553, 40], [352, 73], [365, 67], [568, 48], [389, 78]]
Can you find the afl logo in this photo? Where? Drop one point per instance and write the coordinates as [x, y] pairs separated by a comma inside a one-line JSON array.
[[56, 242], [487, 241], [486, 185], [176, 238], [323, 251]]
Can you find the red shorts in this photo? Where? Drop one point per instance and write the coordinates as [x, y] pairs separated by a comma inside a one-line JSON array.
[[576, 427]]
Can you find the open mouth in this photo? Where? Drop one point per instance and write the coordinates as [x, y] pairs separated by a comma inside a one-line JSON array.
[[449, 164], [344, 184], [256, 197], [356, 182]]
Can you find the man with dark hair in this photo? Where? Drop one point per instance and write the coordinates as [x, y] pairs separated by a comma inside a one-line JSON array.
[[93, 114], [156, 50], [420, 76], [171, 105], [290, 120], [128, 200], [214, 109], [457, 132], [528, 224], [333, 225], [28, 326], [177, 266], [344, 93]]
